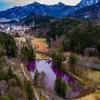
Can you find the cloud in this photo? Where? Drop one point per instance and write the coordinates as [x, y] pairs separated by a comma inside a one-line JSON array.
[[49, 2], [67, 2], [16, 2]]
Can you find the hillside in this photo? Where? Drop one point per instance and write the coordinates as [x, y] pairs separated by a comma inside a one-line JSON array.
[[35, 19], [68, 34]]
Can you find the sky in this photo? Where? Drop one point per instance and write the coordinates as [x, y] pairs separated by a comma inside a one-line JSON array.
[[5, 4]]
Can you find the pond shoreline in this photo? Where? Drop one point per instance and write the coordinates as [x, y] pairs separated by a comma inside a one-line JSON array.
[[52, 73]]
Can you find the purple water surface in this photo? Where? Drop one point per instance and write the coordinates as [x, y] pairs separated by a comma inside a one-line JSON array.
[[51, 73], [66, 77], [31, 66]]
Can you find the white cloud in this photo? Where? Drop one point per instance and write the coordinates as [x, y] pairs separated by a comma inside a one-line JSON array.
[[67, 2], [49, 2]]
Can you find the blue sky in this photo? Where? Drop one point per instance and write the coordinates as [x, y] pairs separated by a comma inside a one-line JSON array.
[[5, 4]]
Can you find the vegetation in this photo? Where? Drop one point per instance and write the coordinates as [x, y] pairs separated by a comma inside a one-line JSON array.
[[8, 44], [27, 53], [8, 97], [58, 57], [12, 88], [72, 61], [29, 90], [8, 75], [9, 82], [37, 19], [79, 35], [60, 87], [2, 54], [36, 76]]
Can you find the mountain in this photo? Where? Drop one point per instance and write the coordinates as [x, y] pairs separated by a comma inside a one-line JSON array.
[[85, 3], [89, 12], [82, 4], [59, 10], [37, 8]]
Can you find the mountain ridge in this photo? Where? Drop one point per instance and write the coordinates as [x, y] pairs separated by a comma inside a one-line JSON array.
[[89, 12], [59, 10]]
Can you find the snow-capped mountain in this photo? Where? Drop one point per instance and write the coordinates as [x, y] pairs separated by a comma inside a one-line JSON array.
[[82, 4], [37, 8], [89, 12], [85, 3], [58, 10]]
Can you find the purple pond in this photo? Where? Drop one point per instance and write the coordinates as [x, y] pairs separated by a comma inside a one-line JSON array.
[[51, 74]]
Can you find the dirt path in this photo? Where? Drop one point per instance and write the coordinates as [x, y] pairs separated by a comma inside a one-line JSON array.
[[23, 70], [28, 78]]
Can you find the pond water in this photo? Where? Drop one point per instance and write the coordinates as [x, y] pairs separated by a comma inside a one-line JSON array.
[[44, 66], [52, 73]]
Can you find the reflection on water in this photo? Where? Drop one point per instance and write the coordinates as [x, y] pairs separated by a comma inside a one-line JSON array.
[[43, 66], [51, 73]]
